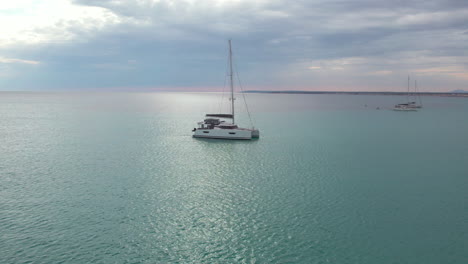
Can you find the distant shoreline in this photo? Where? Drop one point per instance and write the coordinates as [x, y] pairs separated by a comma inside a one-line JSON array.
[[448, 94]]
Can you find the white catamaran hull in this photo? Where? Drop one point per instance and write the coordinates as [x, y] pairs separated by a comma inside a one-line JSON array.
[[223, 133], [404, 109]]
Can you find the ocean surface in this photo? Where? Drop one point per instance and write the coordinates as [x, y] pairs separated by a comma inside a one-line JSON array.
[[117, 178]]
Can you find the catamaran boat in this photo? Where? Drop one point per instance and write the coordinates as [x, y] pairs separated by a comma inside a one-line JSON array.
[[405, 107], [223, 126], [409, 106]]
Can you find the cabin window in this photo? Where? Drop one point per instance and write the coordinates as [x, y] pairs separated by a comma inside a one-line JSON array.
[[206, 131], [232, 133]]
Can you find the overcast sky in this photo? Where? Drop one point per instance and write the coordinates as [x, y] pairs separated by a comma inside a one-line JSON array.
[[362, 45]]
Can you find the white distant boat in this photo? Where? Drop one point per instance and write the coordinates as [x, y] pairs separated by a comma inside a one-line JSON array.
[[409, 106], [213, 126], [404, 107]]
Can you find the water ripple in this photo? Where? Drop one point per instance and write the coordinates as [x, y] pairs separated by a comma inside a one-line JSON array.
[[87, 180]]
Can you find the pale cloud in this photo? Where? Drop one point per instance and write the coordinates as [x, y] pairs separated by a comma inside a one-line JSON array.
[[461, 75], [455, 71], [29, 22], [13, 60], [341, 64], [425, 18], [125, 65], [183, 19], [380, 73], [279, 41], [273, 14]]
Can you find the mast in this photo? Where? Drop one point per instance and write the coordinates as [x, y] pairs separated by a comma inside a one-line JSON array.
[[415, 90], [231, 81], [407, 95]]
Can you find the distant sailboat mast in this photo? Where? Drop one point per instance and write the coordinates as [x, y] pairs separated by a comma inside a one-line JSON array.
[[407, 95], [231, 82], [409, 105]]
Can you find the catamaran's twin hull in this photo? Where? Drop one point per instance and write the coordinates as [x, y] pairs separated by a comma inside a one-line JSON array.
[[404, 109], [226, 133]]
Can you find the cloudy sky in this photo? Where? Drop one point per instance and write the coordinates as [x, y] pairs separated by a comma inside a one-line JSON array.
[[360, 45]]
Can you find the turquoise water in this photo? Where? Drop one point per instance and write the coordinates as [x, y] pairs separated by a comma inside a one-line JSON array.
[[117, 178]]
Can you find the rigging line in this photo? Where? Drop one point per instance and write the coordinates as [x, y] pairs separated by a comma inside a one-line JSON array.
[[407, 94], [415, 92], [243, 94], [220, 105]]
